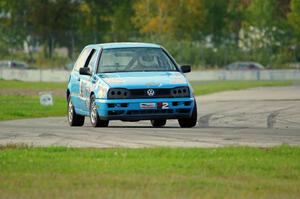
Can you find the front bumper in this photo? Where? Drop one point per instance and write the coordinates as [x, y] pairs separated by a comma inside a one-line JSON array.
[[130, 109]]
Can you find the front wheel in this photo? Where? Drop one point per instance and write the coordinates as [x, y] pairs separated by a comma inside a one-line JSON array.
[[158, 123], [73, 118], [191, 121], [94, 117]]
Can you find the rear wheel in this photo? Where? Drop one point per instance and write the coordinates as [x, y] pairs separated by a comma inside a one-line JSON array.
[[73, 118], [94, 117], [191, 121], [158, 123]]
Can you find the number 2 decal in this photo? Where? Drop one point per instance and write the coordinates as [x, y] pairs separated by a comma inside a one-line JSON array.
[[165, 105]]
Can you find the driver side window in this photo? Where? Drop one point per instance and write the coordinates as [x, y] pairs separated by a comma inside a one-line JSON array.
[[81, 59], [92, 61]]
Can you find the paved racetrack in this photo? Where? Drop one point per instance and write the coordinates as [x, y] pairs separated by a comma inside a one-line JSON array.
[[254, 117]]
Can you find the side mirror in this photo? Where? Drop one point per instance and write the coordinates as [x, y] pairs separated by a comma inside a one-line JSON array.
[[185, 68], [85, 71]]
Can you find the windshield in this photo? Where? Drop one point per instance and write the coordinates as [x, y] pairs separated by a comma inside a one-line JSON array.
[[134, 59]]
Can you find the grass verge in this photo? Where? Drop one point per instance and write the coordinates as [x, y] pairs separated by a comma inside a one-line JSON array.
[[22, 102], [200, 88], [208, 87], [235, 172], [14, 84], [17, 107]]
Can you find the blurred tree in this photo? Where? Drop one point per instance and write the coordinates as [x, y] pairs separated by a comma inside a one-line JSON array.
[[294, 21], [14, 21], [154, 16], [94, 20], [51, 20], [181, 19], [284, 8], [197, 31], [216, 18], [236, 16], [262, 14], [189, 19], [121, 26], [294, 16]]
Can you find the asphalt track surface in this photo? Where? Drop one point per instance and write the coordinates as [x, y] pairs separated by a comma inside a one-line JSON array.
[[254, 117]]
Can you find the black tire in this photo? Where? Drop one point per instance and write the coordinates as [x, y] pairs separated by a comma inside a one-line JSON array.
[[73, 118], [158, 123], [189, 122], [94, 117]]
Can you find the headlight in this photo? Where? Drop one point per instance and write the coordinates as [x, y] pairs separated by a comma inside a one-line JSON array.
[[117, 93], [180, 92]]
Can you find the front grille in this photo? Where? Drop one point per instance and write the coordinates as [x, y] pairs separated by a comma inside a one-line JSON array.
[[142, 93], [121, 93]]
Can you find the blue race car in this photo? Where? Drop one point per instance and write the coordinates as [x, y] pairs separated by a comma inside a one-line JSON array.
[[129, 82]]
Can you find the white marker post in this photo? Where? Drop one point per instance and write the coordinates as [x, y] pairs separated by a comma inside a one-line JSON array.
[[46, 98]]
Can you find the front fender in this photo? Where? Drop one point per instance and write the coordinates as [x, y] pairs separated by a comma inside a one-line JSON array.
[[100, 89]]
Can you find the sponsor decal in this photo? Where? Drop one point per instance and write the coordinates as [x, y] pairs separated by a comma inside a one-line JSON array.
[[102, 92], [84, 91], [87, 103], [147, 105], [81, 87], [114, 80], [178, 81], [153, 84]]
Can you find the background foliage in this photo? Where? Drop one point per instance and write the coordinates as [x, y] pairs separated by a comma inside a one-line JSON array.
[[204, 33]]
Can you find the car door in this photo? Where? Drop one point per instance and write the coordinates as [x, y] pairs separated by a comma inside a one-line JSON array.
[[75, 79], [86, 81]]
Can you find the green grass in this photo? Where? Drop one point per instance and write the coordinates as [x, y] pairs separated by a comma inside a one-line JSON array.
[[208, 87], [16, 107], [14, 84], [240, 172], [200, 88]]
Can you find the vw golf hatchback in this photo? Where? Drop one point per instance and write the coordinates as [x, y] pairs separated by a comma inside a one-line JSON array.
[[129, 82]]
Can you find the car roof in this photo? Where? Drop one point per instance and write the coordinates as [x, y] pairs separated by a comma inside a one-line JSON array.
[[124, 45]]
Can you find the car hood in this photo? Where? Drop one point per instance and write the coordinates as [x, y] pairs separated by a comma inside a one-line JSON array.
[[144, 79]]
